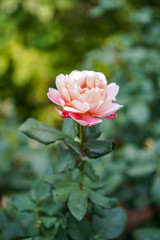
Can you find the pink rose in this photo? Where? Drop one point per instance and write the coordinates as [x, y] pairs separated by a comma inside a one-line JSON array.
[[85, 97]]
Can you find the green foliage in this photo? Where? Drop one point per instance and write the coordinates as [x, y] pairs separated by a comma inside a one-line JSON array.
[[40, 191], [155, 190], [90, 172], [98, 199], [110, 226], [79, 230], [23, 203], [68, 127], [95, 149], [63, 190], [148, 234], [78, 202], [92, 132], [65, 161], [75, 146], [41, 132], [105, 6]]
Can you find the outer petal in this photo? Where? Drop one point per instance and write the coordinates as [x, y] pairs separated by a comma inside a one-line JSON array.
[[94, 106], [82, 107], [85, 119], [61, 85], [113, 89], [59, 112], [103, 107], [70, 109], [113, 108], [102, 76], [60, 81], [75, 75], [78, 74], [93, 73], [112, 116], [55, 97], [62, 114]]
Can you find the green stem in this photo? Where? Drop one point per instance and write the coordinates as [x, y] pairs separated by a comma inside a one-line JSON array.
[[82, 159], [82, 171], [81, 135], [38, 223]]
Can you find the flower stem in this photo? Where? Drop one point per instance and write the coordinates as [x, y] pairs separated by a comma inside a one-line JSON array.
[[81, 135], [81, 132]]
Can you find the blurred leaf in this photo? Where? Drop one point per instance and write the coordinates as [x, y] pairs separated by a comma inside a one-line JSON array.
[[13, 231], [75, 146], [76, 175], [99, 199], [112, 225], [140, 169], [21, 238], [40, 191], [63, 189], [52, 180], [99, 211], [79, 230], [104, 6], [3, 221], [95, 148], [94, 185], [89, 170], [78, 202], [61, 236], [92, 132], [112, 182], [68, 127], [139, 113], [142, 16], [48, 222], [41, 132], [67, 160], [51, 208], [147, 234], [23, 203], [155, 190], [62, 195]]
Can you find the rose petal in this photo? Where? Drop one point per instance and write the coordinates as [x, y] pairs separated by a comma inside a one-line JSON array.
[[85, 119], [62, 114], [60, 81], [82, 107], [70, 109], [61, 85], [93, 95], [93, 73], [62, 102], [113, 90], [112, 116], [75, 75], [102, 76], [59, 112], [103, 107], [114, 107], [73, 90], [94, 106], [55, 97]]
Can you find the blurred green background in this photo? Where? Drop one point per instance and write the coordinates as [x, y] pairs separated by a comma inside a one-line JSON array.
[[40, 39]]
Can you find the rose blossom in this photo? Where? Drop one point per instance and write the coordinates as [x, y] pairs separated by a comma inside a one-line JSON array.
[[85, 97]]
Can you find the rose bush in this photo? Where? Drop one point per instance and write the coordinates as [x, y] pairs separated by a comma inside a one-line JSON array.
[[85, 97]]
